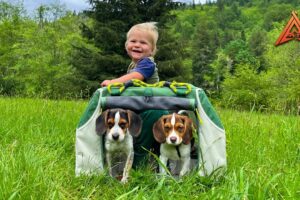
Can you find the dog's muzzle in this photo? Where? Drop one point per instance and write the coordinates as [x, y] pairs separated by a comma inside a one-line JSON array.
[[173, 139], [115, 136]]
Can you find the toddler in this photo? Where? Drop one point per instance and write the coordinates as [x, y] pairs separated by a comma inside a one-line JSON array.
[[141, 48]]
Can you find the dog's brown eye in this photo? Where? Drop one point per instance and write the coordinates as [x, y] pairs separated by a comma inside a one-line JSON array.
[[180, 128], [110, 125], [122, 125], [167, 128]]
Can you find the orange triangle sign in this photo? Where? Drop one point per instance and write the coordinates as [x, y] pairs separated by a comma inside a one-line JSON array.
[[291, 30]]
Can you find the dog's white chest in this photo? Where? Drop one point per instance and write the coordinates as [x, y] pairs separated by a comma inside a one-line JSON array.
[[170, 152], [120, 147]]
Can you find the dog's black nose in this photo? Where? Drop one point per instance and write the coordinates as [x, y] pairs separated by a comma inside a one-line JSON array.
[[173, 139], [115, 136]]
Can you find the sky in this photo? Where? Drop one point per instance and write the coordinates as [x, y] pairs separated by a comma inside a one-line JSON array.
[[73, 5], [31, 5]]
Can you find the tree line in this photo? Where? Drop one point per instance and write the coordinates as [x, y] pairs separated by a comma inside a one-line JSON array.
[[225, 47]]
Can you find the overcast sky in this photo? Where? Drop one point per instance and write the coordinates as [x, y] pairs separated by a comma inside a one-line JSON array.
[[77, 5]]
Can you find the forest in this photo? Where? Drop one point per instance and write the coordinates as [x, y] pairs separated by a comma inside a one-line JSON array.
[[226, 47]]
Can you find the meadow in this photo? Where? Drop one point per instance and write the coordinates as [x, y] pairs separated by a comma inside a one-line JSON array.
[[37, 158]]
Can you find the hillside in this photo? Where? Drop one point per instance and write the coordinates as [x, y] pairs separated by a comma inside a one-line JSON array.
[[225, 47]]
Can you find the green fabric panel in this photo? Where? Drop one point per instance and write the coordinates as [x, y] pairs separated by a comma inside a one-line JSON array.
[[209, 110], [90, 109], [146, 139]]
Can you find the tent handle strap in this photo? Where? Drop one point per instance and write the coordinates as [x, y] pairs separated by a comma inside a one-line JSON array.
[[180, 89]]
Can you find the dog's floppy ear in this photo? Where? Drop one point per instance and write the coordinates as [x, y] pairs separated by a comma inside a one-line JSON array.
[[158, 130], [101, 123], [188, 125], [135, 123]]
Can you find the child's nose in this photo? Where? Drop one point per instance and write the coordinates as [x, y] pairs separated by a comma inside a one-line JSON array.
[[137, 44]]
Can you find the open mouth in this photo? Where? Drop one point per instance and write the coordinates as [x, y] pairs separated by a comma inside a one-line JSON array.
[[136, 50]]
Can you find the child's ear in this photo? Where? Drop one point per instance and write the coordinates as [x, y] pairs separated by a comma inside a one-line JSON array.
[[153, 51]]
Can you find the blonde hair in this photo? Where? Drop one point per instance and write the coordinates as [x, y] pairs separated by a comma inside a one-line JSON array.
[[149, 27]]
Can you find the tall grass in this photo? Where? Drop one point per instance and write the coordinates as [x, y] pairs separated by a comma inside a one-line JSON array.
[[37, 158]]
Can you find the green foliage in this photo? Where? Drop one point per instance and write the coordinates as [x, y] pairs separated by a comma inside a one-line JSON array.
[[245, 89], [276, 13], [221, 67], [218, 46], [36, 57], [112, 21], [284, 75], [10, 12], [257, 45], [204, 48], [277, 88], [233, 54], [239, 53], [169, 57]]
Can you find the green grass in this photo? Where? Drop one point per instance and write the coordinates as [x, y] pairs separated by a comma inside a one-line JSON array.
[[37, 158]]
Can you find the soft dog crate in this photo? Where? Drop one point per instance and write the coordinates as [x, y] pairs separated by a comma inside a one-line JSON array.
[[138, 96]]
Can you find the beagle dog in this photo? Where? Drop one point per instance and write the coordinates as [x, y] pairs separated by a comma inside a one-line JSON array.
[[119, 127], [175, 133]]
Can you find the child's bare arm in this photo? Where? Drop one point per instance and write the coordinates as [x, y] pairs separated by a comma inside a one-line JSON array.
[[124, 78]]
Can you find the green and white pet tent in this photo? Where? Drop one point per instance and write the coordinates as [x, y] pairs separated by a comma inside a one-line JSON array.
[[138, 96]]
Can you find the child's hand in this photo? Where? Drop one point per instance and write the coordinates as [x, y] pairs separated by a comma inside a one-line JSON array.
[[105, 83]]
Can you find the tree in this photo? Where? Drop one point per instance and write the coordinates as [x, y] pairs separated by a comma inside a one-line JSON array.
[[276, 13], [238, 52], [205, 44], [283, 71], [36, 60], [220, 68], [257, 45], [113, 18], [169, 58], [11, 26], [220, 5], [245, 89]]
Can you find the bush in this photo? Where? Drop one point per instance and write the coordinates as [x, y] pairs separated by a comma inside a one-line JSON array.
[[245, 90]]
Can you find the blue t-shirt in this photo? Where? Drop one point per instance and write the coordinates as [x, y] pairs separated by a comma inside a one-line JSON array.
[[145, 66]]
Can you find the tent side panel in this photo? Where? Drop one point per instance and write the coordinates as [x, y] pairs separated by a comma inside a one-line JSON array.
[[89, 150], [212, 140]]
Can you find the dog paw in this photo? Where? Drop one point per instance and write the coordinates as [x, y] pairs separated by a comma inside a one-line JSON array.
[[182, 173], [124, 180]]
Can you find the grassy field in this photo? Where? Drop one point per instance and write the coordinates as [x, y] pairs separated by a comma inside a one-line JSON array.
[[37, 158]]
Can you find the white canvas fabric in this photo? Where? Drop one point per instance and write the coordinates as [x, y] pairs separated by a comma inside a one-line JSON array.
[[212, 143], [89, 151]]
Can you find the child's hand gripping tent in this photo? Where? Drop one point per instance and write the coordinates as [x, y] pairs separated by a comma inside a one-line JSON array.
[[138, 96]]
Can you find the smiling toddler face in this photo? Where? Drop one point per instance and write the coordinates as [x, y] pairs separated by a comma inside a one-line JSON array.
[[139, 45]]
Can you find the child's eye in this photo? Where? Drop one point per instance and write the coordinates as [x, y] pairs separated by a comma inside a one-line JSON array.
[[143, 42]]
